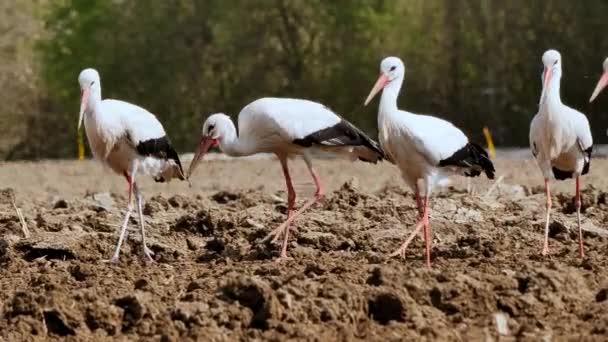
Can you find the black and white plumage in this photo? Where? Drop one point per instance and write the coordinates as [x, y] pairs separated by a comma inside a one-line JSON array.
[[602, 83], [473, 159], [560, 140], [129, 140], [426, 149], [287, 128]]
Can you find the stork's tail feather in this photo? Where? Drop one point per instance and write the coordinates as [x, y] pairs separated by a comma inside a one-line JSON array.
[[587, 160], [161, 148], [370, 151], [345, 134], [483, 160], [561, 175], [173, 170], [473, 158]]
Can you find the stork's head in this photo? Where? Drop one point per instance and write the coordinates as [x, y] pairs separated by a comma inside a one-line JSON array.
[[215, 128], [391, 70], [552, 61], [602, 83], [89, 83]]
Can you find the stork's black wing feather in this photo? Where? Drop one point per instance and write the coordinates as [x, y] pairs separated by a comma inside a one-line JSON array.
[[473, 157], [160, 148], [341, 134]]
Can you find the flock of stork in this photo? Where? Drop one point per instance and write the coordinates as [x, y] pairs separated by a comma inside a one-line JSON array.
[[426, 149]]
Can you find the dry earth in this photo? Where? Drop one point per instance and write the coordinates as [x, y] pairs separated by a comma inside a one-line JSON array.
[[214, 278]]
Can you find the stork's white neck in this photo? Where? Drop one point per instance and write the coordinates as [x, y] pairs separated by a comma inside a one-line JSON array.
[[94, 102], [552, 97], [390, 93], [231, 144]]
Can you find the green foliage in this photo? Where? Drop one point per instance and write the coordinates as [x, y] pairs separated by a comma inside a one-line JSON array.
[[475, 62]]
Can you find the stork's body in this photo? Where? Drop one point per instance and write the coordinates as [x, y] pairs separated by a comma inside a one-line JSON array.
[[560, 139], [287, 128], [426, 149], [129, 140]]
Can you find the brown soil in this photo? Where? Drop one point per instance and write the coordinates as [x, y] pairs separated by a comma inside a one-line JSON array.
[[214, 278]]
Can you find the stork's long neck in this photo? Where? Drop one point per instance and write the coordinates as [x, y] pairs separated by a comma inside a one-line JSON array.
[[390, 93], [94, 103], [232, 145], [552, 100]]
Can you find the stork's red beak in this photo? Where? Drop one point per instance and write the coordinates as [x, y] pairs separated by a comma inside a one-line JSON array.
[[546, 78], [203, 147], [380, 84], [84, 100], [601, 84]]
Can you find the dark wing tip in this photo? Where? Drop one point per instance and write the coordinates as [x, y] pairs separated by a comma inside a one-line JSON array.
[[341, 134], [161, 148], [472, 157]]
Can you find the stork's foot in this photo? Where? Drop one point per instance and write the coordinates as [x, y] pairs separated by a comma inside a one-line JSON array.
[[400, 252], [545, 250], [277, 233], [148, 254], [282, 258], [112, 260]]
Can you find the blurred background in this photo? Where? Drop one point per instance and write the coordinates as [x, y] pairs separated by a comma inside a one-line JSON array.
[[474, 62]]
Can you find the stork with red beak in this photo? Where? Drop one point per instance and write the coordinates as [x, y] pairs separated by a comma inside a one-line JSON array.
[[426, 149], [129, 140], [287, 128], [602, 83], [560, 140]]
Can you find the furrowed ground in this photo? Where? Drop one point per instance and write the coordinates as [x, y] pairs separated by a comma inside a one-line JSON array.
[[216, 279]]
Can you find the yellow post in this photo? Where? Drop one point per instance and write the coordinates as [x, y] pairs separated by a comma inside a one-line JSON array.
[[80, 146], [486, 132]]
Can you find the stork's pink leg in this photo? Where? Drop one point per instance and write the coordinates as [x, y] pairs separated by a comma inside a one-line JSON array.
[[291, 199], [147, 251], [283, 229], [577, 202], [548, 209], [427, 230], [131, 185], [123, 229], [419, 205], [318, 194], [423, 223], [418, 202]]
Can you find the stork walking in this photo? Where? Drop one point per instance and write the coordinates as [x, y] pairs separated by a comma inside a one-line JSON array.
[[287, 128], [426, 149], [602, 83], [560, 140], [129, 140]]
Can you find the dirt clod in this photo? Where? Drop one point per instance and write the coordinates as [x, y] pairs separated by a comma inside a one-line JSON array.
[[133, 311], [56, 324], [255, 295], [23, 304], [4, 252], [386, 307]]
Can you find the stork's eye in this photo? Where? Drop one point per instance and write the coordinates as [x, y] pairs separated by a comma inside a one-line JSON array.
[[210, 128], [92, 83], [555, 63], [393, 68]]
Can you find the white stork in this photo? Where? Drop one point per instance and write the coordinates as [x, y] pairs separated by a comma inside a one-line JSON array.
[[560, 140], [602, 83], [425, 148], [128, 139], [287, 128]]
